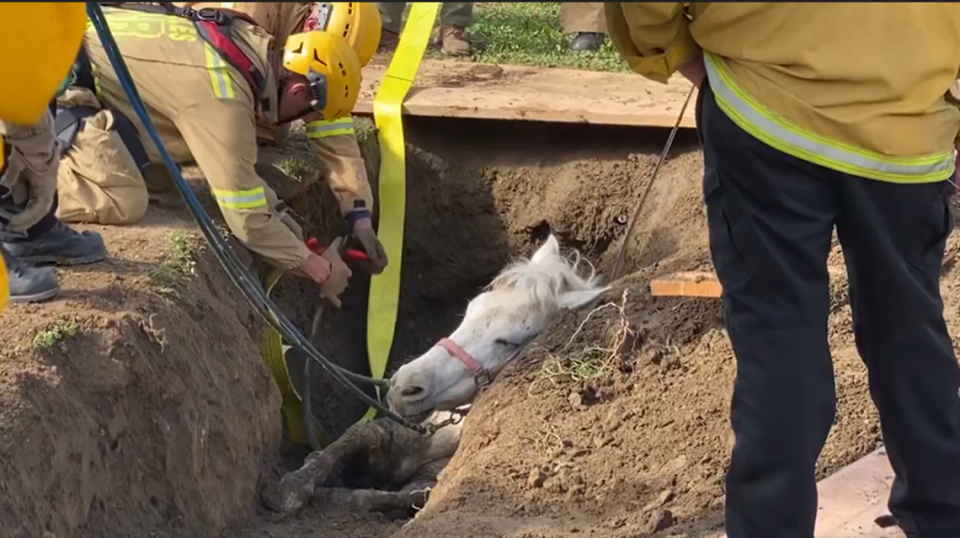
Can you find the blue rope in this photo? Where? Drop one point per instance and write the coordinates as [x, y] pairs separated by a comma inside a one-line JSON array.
[[240, 276]]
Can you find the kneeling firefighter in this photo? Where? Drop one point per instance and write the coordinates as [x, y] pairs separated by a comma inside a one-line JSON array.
[[30, 232], [205, 77], [333, 142]]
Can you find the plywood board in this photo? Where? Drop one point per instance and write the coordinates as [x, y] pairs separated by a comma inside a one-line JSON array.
[[506, 92], [687, 284], [853, 497]]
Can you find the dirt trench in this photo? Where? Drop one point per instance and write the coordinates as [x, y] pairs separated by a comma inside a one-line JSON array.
[[151, 414]]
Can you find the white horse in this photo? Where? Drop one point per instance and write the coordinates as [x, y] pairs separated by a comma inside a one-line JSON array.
[[517, 306], [520, 302]]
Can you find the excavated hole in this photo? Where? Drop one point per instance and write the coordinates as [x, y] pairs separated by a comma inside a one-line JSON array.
[[493, 191]]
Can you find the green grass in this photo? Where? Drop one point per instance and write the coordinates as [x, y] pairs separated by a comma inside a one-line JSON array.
[[177, 266], [297, 169], [54, 334], [528, 33]]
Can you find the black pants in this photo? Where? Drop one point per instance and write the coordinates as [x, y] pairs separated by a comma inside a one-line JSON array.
[[771, 217], [6, 203]]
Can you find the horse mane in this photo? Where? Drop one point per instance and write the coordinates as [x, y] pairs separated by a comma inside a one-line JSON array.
[[547, 278]]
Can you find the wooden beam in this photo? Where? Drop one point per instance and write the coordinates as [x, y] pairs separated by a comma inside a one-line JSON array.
[[687, 284], [446, 88]]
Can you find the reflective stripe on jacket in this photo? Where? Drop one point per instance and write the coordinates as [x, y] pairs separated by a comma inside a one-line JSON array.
[[858, 88]]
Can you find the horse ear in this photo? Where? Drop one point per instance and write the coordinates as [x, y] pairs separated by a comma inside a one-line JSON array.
[[549, 249], [579, 299]]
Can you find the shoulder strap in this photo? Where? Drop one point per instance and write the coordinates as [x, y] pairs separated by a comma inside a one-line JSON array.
[[214, 27]]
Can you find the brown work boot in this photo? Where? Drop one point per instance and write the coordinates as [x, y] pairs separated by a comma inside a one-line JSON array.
[[455, 41], [388, 40]]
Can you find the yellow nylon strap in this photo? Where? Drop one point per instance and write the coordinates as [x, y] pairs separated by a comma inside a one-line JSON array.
[[271, 349], [387, 105]]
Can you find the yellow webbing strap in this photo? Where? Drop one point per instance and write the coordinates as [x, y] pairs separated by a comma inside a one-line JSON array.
[[387, 104], [271, 348]]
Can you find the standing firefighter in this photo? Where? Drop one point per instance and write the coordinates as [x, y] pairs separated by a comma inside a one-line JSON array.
[[817, 117], [205, 77], [30, 233]]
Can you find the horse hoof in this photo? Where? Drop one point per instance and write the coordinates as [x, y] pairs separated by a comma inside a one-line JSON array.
[[289, 496]]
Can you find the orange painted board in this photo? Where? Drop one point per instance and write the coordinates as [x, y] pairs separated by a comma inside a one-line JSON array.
[[687, 284], [445, 88]]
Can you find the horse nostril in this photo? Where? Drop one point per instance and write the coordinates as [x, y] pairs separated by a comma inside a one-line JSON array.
[[413, 393]]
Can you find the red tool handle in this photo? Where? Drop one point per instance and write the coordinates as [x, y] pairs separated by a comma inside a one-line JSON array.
[[349, 254]]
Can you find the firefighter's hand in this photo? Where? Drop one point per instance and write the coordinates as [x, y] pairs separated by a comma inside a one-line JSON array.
[[695, 70], [956, 172], [363, 231], [339, 276]]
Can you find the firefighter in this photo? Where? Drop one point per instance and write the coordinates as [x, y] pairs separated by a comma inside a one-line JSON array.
[[815, 118], [205, 76], [30, 233]]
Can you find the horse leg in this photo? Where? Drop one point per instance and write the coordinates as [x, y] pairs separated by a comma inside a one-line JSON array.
[[372, 500], [297, 487]]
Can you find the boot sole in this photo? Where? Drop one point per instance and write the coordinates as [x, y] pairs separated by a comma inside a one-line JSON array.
[[36, 297], [38, 260]]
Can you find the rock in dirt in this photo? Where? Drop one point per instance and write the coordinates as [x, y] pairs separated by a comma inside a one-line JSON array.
[[659, 520], [537, 478], [665, 496], [676, 465]]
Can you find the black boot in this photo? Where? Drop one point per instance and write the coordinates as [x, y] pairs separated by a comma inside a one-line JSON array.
[[587, 41], [30, 284], [61, 245]]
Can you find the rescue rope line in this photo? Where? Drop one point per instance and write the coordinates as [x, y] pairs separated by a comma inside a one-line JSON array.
[[384, 295], [621, 257], [240, 276]]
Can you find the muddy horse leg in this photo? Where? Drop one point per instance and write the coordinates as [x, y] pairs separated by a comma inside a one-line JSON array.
[[296, 488]]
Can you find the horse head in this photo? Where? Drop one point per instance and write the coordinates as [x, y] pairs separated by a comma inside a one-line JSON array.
[[520, 303]]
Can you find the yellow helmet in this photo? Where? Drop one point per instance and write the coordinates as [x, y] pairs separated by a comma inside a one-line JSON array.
[[357, 22], [330, 66], [36, 56]]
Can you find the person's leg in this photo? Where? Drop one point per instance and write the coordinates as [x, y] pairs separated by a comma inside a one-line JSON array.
[[26, 284], [454, 19], [391, 15], [31, 164], [893, 238], [98, 180], [585, 19], [456, 14], [770, 218]]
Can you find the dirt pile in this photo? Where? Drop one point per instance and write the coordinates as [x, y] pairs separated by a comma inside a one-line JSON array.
[[616, 424], [135, 402]]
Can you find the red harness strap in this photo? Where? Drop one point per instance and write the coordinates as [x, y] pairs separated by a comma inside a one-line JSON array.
[[214, 27]]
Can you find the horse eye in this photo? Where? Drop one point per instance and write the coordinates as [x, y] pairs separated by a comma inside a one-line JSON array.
[[505, 343]]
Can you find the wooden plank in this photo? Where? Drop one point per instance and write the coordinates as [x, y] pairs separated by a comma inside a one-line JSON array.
[[853, 497], [687, 284], [446, 88]]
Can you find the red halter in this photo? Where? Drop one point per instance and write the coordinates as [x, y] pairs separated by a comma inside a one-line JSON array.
[[480, 374]]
